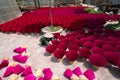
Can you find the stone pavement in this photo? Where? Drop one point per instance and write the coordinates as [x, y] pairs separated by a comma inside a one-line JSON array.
[[39, 58]]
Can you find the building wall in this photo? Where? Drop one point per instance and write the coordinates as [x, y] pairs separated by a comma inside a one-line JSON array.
[[68, 2], [99, 2], [35, 3], [8, 10], [45, 3]]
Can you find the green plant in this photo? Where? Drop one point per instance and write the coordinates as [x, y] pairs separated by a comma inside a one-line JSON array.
[[43, 41], [18, 2], [88, 9], [91, 10], [113, 26], [53, 28]]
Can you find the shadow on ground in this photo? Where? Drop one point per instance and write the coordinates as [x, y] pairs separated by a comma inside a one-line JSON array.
[[88, 65], [47, 54], [53, 59], [114, 71], [80, 59], [66, 62]]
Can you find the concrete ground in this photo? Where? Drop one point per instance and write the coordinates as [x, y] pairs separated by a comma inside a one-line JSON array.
[[39, 58]]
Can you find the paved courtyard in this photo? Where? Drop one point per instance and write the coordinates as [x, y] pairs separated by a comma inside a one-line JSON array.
[[39, 58]]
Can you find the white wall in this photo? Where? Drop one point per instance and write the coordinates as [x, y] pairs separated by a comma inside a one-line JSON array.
[[8, 10]]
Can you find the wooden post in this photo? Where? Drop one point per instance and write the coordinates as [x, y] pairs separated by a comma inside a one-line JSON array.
[[91, 1], [35, 3], [28, 5], [118, 2], [51, 20], [38, 3]]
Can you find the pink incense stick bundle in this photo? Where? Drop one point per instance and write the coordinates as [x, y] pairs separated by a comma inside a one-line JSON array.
[[56, 35], [108, 48], [90, 74], [91, 38], [84, 52], [18, 69], [98, 60], [9, 71], [63, 46], [99, 42], [77, 71], [51, 48], [30, 77], [41, 78], [73, 47], [88, 44], [72, 55], [97, 50], [20, 50], [4, 63], [55, 42], [59, 53], [27, 71], [47, 74], [68, 73]]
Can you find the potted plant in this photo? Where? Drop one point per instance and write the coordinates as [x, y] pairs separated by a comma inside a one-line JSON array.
[[51, 28], [114, 25]]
